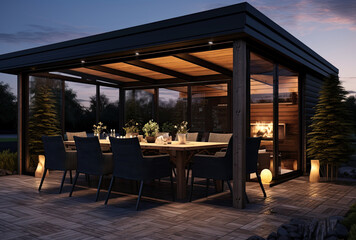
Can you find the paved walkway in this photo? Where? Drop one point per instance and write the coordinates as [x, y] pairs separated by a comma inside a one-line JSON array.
[[27, 214]]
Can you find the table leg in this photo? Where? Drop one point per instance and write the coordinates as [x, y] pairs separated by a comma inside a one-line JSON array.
[[180, 178]]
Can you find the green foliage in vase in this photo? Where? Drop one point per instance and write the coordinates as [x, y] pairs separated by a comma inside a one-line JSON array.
[[182, 127], [43, 120], [329, 139], [131, 126], [151, 128]]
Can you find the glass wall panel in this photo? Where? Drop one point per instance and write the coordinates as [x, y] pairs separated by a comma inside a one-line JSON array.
[[80, 105], [261, 107], [44, 115], [109, 107], [288, 116], [210, 109], [172, 106], [139, 105]]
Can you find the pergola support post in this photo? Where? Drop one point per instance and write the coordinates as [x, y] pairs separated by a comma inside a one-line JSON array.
[[239, 105], [22, 121], [122, 99], [98, 104]]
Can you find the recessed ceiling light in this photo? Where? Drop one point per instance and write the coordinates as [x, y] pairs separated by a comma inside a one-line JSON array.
[[137, 53], [82, 61], [210, 42]]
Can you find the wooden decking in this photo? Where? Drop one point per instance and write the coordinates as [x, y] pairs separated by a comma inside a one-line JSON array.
[[27, 214]]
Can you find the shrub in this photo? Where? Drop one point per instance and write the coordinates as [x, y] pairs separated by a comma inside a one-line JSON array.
[[352, 233], [8, 160]]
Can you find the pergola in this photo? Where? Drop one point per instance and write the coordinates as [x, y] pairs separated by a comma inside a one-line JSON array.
[[208, 47]]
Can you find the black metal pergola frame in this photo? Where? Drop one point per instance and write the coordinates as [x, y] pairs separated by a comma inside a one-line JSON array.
[[239, 26]]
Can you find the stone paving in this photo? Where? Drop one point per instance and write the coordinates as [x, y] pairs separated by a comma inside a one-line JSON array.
[[26, 214]]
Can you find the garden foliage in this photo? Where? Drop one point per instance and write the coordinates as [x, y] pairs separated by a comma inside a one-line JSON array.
[[330, 136]]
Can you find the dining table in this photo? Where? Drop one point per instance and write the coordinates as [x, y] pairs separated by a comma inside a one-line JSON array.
[[180, 155]]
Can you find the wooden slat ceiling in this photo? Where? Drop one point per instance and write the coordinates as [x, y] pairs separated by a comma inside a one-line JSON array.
[[179, 65], [222, 57], [138, 70], [103, 74], [179, 68]]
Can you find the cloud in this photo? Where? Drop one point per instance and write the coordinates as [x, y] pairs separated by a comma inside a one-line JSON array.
[[304, 16], [41, 34]]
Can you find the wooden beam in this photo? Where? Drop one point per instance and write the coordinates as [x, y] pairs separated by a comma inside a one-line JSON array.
[[138, 85], [203, 63], [92, 77], [163, 70], [22, 122], [275, 122], [122, 99], [72, 79], [98, 105], [239, 104], [122, 74]]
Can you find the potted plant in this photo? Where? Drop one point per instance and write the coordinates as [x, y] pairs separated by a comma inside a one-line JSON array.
[[182, 130], [150, 129], [167, 127], [97, 129], [131, 128]]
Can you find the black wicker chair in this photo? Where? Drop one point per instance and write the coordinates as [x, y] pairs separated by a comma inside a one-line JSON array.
[[220, 167], [130, 164], [91, 161], [57, 158]]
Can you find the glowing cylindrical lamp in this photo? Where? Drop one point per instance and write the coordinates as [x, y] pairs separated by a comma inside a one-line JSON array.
[[40, 166], [314, 171], [266, 176]]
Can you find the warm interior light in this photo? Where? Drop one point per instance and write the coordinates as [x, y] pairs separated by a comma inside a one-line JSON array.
[[82, 61], [266, 176], [211, 43], [40, 166], [314, 171], [262, 129], [137, 53]]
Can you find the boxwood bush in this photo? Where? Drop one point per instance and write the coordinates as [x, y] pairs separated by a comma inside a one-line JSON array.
[[8, 160]]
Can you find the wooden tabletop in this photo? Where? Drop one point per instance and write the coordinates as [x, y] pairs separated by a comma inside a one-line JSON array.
[[173, 146]]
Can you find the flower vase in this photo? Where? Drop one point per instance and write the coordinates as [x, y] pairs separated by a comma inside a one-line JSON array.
[[97, 135], [182, 138], [150, 139]]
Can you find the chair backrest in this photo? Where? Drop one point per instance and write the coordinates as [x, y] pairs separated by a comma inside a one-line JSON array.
[[54, 152], [128, 159], [70, 135], [252, 146], [89, 155], [219, 137], [191, 136]]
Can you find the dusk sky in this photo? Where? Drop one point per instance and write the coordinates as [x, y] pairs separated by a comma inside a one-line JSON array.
[[326, 26]]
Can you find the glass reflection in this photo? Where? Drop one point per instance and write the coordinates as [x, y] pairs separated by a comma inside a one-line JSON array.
[[288, 116], [210, 109], [139, 105], [261, 107]]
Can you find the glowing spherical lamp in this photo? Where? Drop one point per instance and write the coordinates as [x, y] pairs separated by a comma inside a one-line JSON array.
[[266, 176], [314, 171]]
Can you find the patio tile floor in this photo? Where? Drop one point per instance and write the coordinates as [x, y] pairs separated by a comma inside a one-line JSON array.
[[27, 214]]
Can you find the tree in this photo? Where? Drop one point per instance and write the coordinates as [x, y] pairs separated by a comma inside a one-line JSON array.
[[74, 112], [329, 139], [43, 120], [8, 106], [351, 107]]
